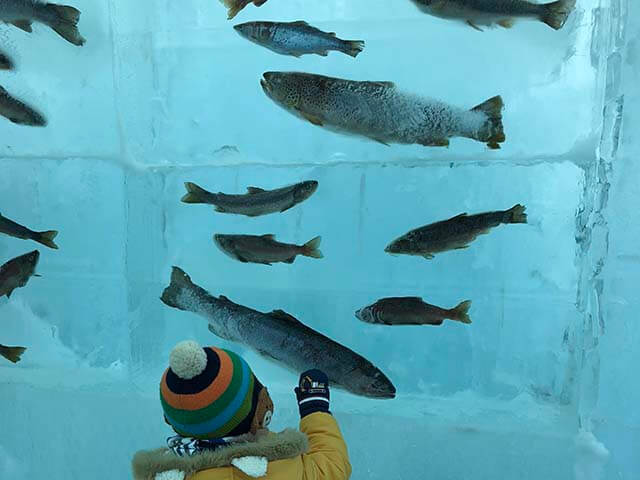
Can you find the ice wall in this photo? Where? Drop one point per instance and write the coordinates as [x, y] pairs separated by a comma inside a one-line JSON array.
[[149, 103]]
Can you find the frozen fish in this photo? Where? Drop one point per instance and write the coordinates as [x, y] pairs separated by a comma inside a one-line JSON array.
[[18, 112], [412, 311], [256, 201], [61, 18], [5, 61], [234, 6], [279, 336], [13, 229], [12, 354], [487, 13], [17, 272], [456, 233], [381, 112], [265, 249], [297, 38]]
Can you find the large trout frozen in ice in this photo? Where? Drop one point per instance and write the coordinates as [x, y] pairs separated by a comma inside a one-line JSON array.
[[381, 112], [279, 336]]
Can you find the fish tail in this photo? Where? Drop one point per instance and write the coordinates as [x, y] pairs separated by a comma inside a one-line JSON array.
[[179, 281], [234, 7], [516, 214], [65, 22], [555, 14], [312, 248], [195, 194], [461, 312], [493, 131], [12, 354], [46, 238], [353, 47]]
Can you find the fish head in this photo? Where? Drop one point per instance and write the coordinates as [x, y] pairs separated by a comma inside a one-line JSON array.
[[282, 88], [27, 116], [365, 315], [373, 383], [224, 242], [400, 245], [305, 190], [254, 31], [30, 261]]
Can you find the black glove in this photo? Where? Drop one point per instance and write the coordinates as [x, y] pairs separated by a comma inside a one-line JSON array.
[[312, 392]]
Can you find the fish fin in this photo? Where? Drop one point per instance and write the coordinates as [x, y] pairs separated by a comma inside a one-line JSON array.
[[459, 216], [460, 312], [23, 25], [516, 214], [474, 26], [323, 53], [289, 260], [268, 236], [284, 316], [37, 275], [353, 47], [312, 248], [195, 194], [65, 22], [380, 141], [223, 298], [9, 292], [492, 108], [46, 238], [462, 247], [179, 280], [441, 142], [219, 209], [300, 23], [254, 190], [312, 119], [507, 22], [383, 84], [13, 354], [428, 256], [211, 329], [233, 9], [555, 14], [287, 208]]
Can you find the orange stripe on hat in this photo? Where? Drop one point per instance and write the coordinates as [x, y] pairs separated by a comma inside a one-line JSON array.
[[209, 394]]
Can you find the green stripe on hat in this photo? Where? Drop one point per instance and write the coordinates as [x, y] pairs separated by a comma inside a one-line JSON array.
[[194, 417], [240, 415]]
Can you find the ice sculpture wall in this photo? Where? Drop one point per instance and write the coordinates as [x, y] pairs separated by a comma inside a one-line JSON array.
[[151, 100]]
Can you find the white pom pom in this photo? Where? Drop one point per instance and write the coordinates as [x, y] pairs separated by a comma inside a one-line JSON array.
[[188, 359]]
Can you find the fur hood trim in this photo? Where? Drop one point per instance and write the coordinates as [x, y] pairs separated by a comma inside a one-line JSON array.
[[274, 446]]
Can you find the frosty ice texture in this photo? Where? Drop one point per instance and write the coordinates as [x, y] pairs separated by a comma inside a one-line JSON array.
[[161, 86]]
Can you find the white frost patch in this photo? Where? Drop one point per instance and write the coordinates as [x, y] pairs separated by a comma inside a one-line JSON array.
[[591, 457]]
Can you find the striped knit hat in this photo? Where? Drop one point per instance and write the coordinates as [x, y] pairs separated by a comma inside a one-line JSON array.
[[208, 392]]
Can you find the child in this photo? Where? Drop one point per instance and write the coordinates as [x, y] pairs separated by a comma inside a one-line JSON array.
[[221, 411]]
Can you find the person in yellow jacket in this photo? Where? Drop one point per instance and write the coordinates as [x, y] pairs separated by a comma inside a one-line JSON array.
[[220, 413]]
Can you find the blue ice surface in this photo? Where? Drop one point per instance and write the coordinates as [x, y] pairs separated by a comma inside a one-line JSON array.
[[152, 99]]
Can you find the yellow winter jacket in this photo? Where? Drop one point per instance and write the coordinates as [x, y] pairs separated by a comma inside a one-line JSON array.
[[324, 457]]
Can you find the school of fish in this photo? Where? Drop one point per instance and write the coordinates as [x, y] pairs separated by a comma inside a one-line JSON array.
[[375, 110]]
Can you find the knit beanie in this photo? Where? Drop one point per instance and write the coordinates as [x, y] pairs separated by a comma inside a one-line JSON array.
[[208, 392]]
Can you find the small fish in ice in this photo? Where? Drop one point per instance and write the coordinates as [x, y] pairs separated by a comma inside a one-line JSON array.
[[279, 336], [487, 13], [19, 112], [265, 249], [234, 6], [256, 201], [455, 233], [5, 61], [13, 354], [412, 311], [61, 18], [13, 229], [297, 38], [379, 111], [17, 272]]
